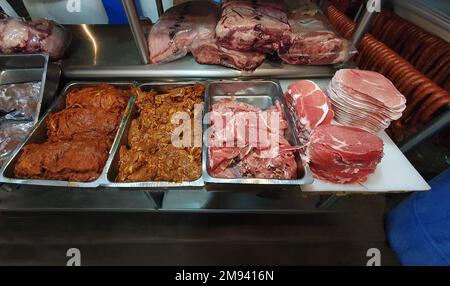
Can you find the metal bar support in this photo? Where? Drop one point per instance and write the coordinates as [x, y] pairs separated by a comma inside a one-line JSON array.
[[139, 37]]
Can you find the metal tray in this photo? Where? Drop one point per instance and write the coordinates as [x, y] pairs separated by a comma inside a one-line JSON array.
[[262, 94], [112, 168], [32, 68], [39, 135]]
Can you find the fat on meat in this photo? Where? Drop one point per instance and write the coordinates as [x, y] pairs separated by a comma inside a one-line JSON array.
[[179, 27]]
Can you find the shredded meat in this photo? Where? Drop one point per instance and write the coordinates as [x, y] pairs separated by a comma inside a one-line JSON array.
[[150, 154]]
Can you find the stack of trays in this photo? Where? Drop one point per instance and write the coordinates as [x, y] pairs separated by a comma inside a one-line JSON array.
[[259, 93], [365, 99]]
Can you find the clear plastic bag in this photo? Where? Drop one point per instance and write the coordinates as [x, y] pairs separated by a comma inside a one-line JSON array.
[[12, 133], [21, 97], [39, 36], [180, 26], [312, 41]]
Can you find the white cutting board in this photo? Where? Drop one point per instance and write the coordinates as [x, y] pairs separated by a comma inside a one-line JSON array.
[[394, 173]]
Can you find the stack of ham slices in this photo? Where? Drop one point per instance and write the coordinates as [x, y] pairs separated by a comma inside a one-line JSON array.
[[365, 99], [310, 107], [343, 154]]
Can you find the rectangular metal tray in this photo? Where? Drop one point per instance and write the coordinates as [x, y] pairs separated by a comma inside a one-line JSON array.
[[261, 94], [39, 135], [32, 68], [113, 164]]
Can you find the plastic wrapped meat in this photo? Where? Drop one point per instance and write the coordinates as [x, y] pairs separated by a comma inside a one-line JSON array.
[[210, 52], [312, 42], [22, 97], [80, 161], [180, 26], [12, 133], [252, 25], [39, 36]]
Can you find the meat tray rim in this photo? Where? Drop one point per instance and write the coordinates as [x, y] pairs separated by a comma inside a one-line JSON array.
[[59, 104], [210, 180], [149, 185]]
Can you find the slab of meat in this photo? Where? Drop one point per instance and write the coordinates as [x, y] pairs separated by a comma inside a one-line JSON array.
[[365, 99], [237, 148], [80, 161], [343, 154], [312, 42], [180, 26], [209, 52], [39, 36], [252, 25], [102, 96], [310, 107], [82, 123]]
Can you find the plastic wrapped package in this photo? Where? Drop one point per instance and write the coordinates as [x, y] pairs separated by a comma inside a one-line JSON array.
[[22, 97], [180, 26], [313, 42], [39, 36], [12, 133]]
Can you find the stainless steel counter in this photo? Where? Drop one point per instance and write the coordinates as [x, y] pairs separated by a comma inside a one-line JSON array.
[[109, 51]]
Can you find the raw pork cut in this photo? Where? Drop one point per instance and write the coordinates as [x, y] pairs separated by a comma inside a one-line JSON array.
[[39, 36], [231, 151], [310, 107], [343, 154], [180, 26], [252, 25], [312, 42], [209, 52], [365, 99]]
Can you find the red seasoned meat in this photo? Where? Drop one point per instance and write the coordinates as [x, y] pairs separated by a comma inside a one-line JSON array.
[[209, 52], [343, 154], [310, 106], [252, 25], [180, 26]]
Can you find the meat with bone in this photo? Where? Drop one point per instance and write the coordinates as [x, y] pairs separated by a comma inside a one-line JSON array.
[[312, 42], [210, 52], [256, 25], [365, 99], [39, 36], [241, 147], [310, 107], [343, 154], [180, 26]]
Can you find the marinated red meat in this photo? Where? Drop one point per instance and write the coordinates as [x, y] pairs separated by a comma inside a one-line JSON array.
[[179, 27], [343, 154]]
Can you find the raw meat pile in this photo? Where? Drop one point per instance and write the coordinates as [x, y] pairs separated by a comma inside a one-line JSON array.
[[310, 106], [233, 154], [342, 154], [365, 99], [312, 42], [179, 27], [40, 36]]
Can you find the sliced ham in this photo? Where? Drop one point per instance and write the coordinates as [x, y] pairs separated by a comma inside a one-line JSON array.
[[343, 154], [365, 99], [310, 106]]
